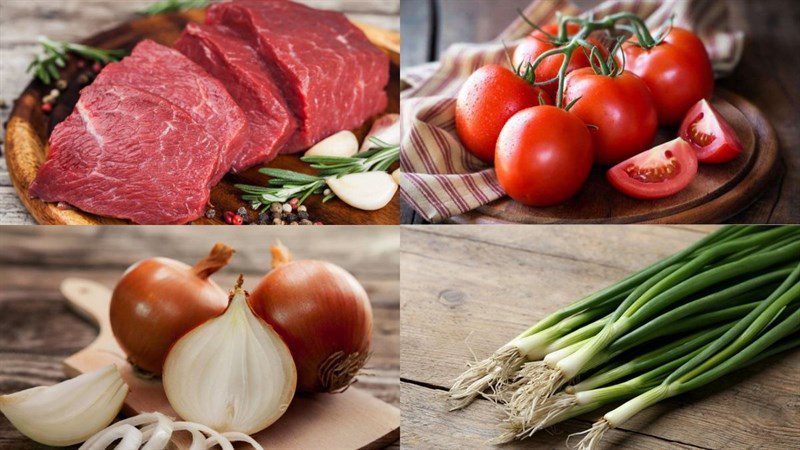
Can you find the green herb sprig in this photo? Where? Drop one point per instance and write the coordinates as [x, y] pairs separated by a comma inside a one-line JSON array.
[[166, 6], [54, 56], [286, 184]]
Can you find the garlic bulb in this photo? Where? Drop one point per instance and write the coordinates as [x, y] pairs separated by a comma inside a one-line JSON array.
[[232, 373], [68, 412], [153, 431], [366, 190], [342, 144]]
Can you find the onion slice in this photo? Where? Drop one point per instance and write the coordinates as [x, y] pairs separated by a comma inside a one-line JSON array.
[[232, 373], [68, 412]]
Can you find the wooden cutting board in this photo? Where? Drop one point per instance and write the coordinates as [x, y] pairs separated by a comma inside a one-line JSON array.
[[350, 420], [719, 191], [28, 131]]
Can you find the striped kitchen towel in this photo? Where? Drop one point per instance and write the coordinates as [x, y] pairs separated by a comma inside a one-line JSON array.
[[441, 179]]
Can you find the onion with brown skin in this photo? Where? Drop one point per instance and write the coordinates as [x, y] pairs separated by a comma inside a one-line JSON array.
[[158, 300], [322, 313]]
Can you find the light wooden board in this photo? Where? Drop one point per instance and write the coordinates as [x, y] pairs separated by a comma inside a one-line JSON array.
[[471, 289], [28, 131], [353, 419]]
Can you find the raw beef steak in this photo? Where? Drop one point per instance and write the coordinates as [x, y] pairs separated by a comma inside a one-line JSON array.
[[332, 77], [241, 70], [167, 73], [146, 150], [127, 153]]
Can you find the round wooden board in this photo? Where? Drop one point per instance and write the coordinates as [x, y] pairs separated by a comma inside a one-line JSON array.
[[718, 192], [28, 130]]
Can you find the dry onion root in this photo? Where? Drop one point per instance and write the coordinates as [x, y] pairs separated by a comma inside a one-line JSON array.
[[153, 431], [68, 412]]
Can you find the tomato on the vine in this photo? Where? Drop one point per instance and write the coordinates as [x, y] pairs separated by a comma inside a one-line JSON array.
[[544, 156], [619, 108], [489, 97], [537, 43], [659, 172], [711, 136], [678, 72]]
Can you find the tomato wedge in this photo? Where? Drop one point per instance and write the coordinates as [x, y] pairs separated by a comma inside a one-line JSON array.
[[656, 173], [714, 140]]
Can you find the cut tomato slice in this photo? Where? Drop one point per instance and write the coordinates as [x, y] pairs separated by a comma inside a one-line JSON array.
[[656, 173], [714, 140]]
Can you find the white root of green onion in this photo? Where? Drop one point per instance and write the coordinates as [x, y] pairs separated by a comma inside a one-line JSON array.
[[669, 286], [153, 431], [494, 373], [749, 341]]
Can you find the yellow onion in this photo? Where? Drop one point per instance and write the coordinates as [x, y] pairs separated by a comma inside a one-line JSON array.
[[322, 313], [158, 300]]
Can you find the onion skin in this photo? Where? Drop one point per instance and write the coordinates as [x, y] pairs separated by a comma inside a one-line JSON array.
[[158, 300], [323, 314]]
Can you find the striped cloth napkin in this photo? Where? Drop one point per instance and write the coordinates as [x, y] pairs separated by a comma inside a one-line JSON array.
[[440, 178]]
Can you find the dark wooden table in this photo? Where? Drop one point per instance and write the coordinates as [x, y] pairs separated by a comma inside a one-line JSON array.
[[38, 331], [766, 75], [472, 288]]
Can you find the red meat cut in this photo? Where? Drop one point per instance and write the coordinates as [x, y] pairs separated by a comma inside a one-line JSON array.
[[331, 76], [140, 148], [241, 70], [165, 72]]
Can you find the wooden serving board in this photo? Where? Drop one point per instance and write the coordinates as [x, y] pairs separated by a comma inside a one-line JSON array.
[[719, 191], [28, 131], [353, 419]]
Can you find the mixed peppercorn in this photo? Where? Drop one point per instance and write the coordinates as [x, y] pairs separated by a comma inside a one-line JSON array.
[[84, 77], [289, 213]]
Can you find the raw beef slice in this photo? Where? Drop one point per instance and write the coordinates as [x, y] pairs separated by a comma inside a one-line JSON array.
[[332, 77], [241, 70], [167, 73], [142, 152]]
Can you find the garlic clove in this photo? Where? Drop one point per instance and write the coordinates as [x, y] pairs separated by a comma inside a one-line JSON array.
[[397, 175], [342, 144], [366, 190], [232, 373], [68, 412], [386, 128]]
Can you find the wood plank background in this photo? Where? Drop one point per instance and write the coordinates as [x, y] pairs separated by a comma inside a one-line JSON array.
[[38, 331], [766, 75], [21, 21], [471, 288]]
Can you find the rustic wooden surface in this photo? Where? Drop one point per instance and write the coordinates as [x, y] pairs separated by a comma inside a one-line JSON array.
[[38, 331], [765, 76], [474, 288], [21, 21]]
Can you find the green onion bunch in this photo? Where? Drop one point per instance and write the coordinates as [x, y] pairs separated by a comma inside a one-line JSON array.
[[727, 301]]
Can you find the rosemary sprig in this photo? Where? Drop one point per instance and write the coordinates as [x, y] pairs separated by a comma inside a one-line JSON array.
[[165, 6], [54, 56], [286, 184]]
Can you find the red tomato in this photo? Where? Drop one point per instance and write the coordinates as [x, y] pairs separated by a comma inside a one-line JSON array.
[[707, 131], [620, 107], [537, 43], [657, 173], [488, 98], [677, 71], [544, 155]]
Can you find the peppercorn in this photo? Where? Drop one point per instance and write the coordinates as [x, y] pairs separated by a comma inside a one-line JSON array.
[[293, 223], [228, 217], [47, 108], [291, 217], [277, 221], [83, 79], [97, 67], [211, 213], [242, 211], [302, 215], [275, 208], [61, 84], [327, 192], [294, 202], [263, 218], [302, 208], [287, 208], [318, 223], [237, 219], [81, 64], [306, 222]]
